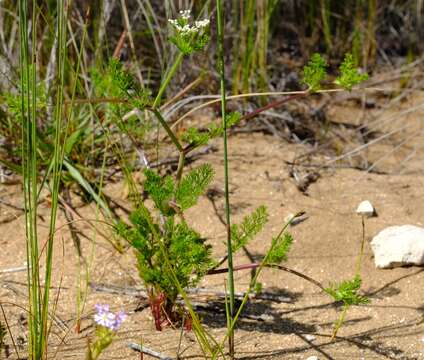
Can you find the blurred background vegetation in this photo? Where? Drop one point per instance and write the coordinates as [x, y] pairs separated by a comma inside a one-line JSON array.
[[261, 36]]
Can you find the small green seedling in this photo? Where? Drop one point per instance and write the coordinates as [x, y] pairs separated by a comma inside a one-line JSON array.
[[315, 72], [349, 74], [347, 293]]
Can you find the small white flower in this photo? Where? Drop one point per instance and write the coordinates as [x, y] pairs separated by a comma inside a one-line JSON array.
[[202, 23], [187, 28], [185, 14], [365, 208]]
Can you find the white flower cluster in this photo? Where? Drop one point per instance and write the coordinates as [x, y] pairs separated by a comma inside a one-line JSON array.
[[202, 23], [187, 28], [185, 14]]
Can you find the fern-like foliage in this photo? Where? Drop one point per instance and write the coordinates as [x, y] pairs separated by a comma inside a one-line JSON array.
[[315, 72], [347, 292], [193, 185], [114, 81], [195, 137], [280, 246], [117, 83], [13, 101], [251, 225], [160, 190], [120, 80], [187, 252], [192, 256], [349, 74], [179, 251]]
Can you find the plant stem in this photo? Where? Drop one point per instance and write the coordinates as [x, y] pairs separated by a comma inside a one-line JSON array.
[[251, 266], [361, 252], [200, 332], [264, 263], [168, 78], [339, 321], [221, 68], [57, 168], [167, 129], [29, 171]]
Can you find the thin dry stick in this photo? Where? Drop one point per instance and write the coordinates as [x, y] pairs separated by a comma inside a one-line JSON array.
[[10, 333], [131, 39], [13, 270], [272, 266], [190, 86], [146, 350], [120, 45]]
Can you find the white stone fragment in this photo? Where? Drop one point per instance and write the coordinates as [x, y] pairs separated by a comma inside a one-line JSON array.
[[310, 337], [397, 246], [313, 357], [365, 208]]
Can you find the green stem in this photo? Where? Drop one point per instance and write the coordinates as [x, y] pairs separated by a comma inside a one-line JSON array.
[[29, 171], [200, 333], [168, 78], [340, 321], [264, 263], [167, 129], [361, 252], [221, 67], [57, 168]]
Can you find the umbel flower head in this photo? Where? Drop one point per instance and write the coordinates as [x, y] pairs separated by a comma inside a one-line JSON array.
[[104, 317], [189, 36]]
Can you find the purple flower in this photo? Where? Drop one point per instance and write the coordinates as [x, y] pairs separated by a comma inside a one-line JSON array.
[[108, 319], [119, 319]]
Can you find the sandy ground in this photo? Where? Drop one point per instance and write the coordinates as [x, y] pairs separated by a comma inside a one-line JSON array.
[[293, 324]]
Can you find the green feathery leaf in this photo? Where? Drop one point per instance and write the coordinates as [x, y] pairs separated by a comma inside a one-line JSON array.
[[251, 225], [160, 189], [279, 248], [315, 72], [193, 185], [196, 137], [347, 292], [349, 74]]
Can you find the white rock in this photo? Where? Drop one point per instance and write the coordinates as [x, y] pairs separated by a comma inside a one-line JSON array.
[[365, 208], [310, 337], [313, 357], [398, 246]]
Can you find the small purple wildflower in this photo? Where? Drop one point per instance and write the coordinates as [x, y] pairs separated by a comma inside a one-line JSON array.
[[119, 319], [108, 319]]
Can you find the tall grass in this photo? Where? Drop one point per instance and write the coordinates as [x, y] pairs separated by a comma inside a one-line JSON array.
[[251, 22], [29, 171], [39, 299]]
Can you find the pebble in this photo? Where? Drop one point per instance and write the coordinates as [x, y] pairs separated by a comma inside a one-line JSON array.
[[310, 337], [313, 357], [397, 246]]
